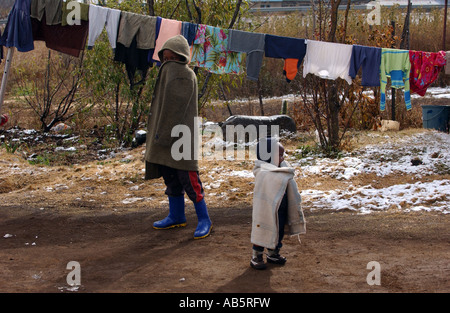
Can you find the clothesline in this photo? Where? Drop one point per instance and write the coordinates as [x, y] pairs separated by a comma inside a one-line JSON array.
[[136, 39]]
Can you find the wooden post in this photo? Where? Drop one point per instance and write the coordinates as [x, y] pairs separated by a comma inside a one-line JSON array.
[[5, 75], [445, 25], [442, 73], [404, 44]]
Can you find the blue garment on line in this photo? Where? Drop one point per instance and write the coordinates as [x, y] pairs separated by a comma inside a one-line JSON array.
[[369, 58], [285, 48], [152, 51], [189, 30], [18, 32]]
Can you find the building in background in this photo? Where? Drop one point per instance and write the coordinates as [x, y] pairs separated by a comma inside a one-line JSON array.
[[305, 5], [404, 3], [291, 5]]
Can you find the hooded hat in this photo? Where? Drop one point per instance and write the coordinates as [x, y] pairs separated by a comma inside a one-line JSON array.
[[179, 45]]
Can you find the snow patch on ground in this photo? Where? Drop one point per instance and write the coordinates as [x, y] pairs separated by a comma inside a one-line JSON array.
[[429, 196], [430, 149], [422, 154]]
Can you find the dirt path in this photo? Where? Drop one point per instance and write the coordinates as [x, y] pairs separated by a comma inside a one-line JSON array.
[[99, 213], [120, 252]]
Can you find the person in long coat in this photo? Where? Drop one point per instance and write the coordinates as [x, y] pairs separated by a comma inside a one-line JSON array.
[[172, 119]]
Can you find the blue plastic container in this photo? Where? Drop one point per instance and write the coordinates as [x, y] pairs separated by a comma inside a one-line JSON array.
[[436, 117]]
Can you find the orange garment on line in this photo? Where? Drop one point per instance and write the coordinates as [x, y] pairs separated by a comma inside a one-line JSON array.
[[290, 68]]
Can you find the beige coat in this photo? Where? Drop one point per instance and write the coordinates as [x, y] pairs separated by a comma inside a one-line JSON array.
[[174, 103], [271, 182]]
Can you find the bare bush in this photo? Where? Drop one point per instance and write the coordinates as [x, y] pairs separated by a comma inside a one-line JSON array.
[[54, 93]]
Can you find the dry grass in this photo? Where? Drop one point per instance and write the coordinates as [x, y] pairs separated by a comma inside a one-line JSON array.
[[121, 178]]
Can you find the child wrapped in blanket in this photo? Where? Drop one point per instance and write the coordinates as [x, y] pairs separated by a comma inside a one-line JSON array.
[[276, 204]]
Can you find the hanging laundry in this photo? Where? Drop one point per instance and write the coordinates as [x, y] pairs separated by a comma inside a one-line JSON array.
[[136, 25], [189, 30], [290, 68], [135, 60], [396, 65], [369, 58], [70, 39], [18, 30], [425, 68], [135, 40], [292, 50], [1, 49], [210, 51], [253, 45], [328, 60], [198, 48], [100, 18], [168, 29], [52, 9], [447, 67], [69, 8], [152, 51]]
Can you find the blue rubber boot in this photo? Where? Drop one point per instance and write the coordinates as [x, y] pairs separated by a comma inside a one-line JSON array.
[[204, 223], [176, 217]]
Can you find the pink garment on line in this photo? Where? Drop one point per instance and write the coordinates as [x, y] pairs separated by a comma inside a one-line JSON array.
[[169, 28]]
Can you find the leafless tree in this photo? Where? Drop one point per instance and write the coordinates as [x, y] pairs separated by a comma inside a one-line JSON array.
[[54, 96]]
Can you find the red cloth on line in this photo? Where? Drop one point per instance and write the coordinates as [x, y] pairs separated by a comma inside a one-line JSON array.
[[69, 39], [425, 68]]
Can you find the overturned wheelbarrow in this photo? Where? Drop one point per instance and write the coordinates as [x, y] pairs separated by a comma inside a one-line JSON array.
[[246, 128]]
